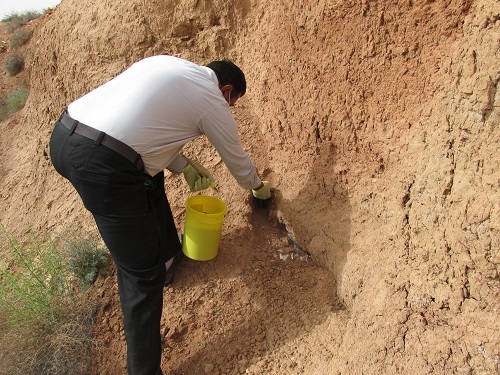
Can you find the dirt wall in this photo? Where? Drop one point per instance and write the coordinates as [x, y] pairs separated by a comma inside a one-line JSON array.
[[377, 124]]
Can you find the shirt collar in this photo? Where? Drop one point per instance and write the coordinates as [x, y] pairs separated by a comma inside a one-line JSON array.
[[212, 75]]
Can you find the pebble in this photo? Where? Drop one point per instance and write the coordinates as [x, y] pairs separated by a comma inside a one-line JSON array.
[[209, 368], [242, 362]]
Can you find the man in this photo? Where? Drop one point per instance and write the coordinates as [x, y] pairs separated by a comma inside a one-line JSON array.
[[113, 145]]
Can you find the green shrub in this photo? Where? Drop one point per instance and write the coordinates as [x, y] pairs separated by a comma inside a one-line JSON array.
[[13, 64], [33, 280], [45, 321], [85, 255], [15, 20], [20, 37], [17, 99], [3, 110], [13, 103], [39, 275]]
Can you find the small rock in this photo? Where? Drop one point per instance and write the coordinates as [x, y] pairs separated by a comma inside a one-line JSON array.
[[242, 362], [209, 368]]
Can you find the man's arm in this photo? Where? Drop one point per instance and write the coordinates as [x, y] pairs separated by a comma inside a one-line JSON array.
[[222, 131]]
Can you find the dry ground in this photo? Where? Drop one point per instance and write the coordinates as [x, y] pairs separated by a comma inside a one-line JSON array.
[[377, 124]]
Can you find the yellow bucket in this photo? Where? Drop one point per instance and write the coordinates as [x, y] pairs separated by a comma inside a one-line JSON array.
[[203, 227]]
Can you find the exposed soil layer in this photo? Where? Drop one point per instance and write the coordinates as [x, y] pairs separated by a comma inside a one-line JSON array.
[[377, 125]]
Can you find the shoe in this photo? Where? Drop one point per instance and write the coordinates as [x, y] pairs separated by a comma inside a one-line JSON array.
[[176, 259]]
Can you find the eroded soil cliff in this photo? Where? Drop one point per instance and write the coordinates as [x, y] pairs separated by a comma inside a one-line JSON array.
[[377, 124]]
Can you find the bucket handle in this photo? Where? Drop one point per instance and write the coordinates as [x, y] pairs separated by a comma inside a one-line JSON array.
[[192, 164], [216, 193]]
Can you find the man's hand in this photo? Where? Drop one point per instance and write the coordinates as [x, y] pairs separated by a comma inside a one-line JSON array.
[[197, 181], [264, 192]]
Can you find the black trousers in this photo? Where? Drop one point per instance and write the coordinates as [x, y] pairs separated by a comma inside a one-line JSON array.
[[135, 221]]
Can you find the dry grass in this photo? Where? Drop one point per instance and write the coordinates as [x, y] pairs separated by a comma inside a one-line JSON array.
[[46, 318], [64, 349], [20, 37], [15, 20], [13, 64]]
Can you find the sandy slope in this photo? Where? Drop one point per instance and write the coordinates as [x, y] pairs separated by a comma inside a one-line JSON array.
[[378, 127]]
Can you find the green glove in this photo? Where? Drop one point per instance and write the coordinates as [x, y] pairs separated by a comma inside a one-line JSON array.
[[202, 183], [264, 192], [195, 180]]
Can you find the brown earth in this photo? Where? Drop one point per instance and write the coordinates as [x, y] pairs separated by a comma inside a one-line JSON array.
[[377, 124]]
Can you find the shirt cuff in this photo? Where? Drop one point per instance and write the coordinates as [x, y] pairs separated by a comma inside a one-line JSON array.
[[257, 187], [177, 165]]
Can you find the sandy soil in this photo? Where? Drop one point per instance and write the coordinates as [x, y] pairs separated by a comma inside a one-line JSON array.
[[377, 125]]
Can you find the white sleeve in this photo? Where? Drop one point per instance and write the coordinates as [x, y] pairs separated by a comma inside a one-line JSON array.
[[177, 164], [222, 131]]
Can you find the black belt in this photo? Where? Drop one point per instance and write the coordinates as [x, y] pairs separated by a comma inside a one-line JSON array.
[[102, 138]]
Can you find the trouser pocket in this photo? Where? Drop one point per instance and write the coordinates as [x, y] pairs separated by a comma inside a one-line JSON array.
[[105, 194]]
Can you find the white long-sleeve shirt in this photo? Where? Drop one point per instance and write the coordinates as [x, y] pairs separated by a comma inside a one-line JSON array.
[[158, 105]]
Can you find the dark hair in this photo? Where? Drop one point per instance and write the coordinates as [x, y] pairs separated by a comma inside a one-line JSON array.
[[229, 74]]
